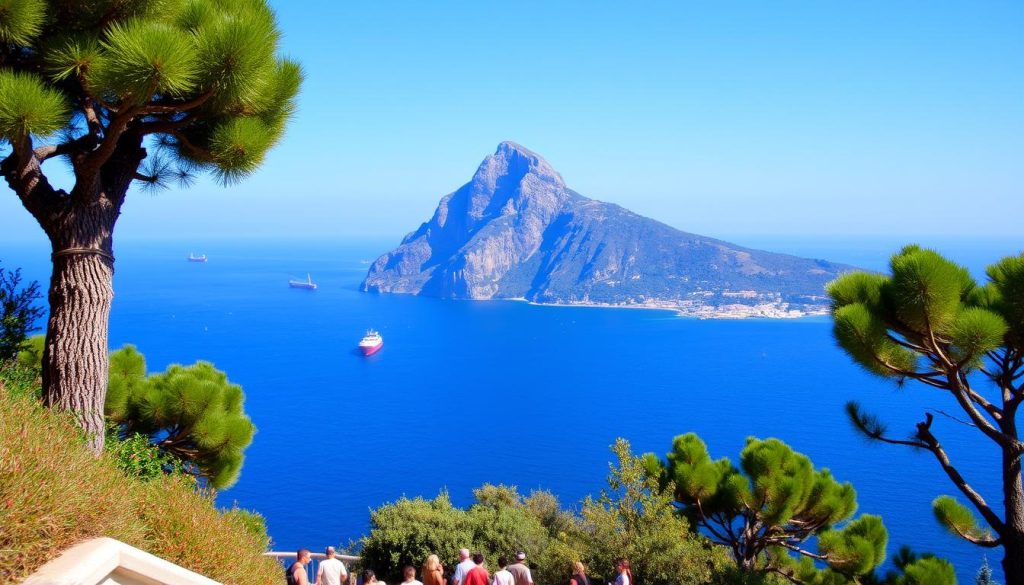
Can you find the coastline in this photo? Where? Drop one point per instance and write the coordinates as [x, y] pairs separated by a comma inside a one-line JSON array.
[[723, 312]]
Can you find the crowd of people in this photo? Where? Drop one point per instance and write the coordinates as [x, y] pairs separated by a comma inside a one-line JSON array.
[[471, 570]]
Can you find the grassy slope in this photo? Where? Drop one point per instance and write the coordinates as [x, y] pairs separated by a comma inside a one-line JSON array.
[[53, 494]]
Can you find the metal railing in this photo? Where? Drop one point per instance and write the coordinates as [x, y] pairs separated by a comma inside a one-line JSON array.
[[287, 558]]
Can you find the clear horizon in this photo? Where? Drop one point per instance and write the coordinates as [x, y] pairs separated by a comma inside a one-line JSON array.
[[867, 119]]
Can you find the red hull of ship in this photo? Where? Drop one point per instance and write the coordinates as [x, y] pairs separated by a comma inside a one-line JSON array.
[[371, 350]]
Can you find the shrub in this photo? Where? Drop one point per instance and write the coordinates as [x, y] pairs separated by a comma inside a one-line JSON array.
[[19, 380], [18, 312], [634, 517], [137, 457], [406, 531]]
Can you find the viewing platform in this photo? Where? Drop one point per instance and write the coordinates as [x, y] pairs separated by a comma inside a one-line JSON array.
[[352, 563]]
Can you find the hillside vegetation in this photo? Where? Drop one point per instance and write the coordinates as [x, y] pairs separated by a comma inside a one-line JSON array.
[[54, 493]]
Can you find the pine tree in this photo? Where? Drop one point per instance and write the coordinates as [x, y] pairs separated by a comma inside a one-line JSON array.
[[192, 413], [931, 323], [766, 510], [915, 569], [985, 574], [128, 91]]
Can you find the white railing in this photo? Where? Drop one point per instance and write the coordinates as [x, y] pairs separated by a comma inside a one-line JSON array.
[[104, 561], [287, 558]]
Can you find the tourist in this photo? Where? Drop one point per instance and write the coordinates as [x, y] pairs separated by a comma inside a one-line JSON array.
[[579, 574], [465, 565], [625, 575], [520, 572], [502, 576], [478, 574], [409, 572], [296, 573], [332, 570], [432, 572], [369, 578]]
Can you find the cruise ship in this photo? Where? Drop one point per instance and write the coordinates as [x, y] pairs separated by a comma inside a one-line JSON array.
[[371, 342], [308, 283]]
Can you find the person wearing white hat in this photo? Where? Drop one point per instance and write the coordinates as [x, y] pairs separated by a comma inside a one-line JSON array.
[[520, 572]]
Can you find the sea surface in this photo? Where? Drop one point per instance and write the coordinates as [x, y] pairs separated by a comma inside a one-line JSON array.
[[468, 392]]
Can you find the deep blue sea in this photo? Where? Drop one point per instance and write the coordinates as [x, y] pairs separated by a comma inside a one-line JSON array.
[[470, 392]]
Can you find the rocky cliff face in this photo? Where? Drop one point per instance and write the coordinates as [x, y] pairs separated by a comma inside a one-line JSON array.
[[516, 231]]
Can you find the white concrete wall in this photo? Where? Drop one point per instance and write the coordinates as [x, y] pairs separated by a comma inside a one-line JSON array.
[[105, 561]]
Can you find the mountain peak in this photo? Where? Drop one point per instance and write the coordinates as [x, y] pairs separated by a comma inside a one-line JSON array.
[[514, 161], [515, 231], [509, 148]]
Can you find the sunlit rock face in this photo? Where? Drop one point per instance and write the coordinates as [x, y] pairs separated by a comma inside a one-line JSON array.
[[516, 231]]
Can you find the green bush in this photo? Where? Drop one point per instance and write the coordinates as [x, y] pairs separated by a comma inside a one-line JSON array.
[[137, 457], [407, 531], [18, 380], [634, 517]]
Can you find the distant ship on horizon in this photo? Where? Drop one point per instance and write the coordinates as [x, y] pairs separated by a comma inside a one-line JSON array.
[[371, 342], [193, 258], [307, 284]]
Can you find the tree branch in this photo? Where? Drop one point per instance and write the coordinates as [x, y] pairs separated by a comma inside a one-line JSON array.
[[982, 542], [961, 392], [23, 173], [932, 444], [92, 119], [89, 171], [787, 576], [157, 108], [803, 552], [83, 144], [164, 127]]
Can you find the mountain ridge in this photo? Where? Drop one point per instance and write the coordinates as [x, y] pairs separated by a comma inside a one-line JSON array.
[[515, 230]]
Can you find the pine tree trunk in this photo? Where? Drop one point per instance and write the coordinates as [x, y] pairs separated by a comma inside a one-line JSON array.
[[75, 358], [1013, 532]]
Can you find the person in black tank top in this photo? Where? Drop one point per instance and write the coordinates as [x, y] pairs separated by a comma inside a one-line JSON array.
[[295, 574]]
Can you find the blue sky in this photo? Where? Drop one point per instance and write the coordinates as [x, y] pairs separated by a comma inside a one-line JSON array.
[[722, 118]]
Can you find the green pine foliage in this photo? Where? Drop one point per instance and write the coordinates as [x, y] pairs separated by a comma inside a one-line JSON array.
[[924, 569], [930, 322], [958, 519], [765, 510], [191, 413], [200, 79]]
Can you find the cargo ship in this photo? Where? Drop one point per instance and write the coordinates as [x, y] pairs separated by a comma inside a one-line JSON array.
[[193, 258], [371, 343], [307, 284]]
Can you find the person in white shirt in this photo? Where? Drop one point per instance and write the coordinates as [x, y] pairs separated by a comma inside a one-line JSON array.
[[502, 576], [465, 565], [332, 571], [410, 576]]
